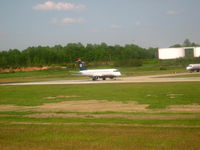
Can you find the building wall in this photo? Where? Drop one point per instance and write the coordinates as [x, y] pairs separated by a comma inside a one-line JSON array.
[[197, 52], [171, 53]]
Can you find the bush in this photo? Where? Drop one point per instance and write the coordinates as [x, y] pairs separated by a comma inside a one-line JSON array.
[[163, 68]]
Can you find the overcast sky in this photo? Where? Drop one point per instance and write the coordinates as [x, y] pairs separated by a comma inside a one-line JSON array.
[[147, 23]]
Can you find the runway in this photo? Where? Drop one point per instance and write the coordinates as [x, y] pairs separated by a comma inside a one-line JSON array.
[[136, 79]]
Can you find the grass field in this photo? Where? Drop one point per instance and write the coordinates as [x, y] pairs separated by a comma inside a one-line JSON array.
[[98, 137], [42, 75], [137, 116], [155, 94], [59, 73]]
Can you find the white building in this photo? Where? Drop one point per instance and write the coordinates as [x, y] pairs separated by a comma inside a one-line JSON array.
[[196, 51], [174, 53]]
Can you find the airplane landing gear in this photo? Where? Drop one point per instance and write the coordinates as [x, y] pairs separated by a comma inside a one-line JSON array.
[[94, 78]]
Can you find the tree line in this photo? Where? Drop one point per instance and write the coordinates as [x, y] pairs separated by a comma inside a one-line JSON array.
[[60, 55], [186, 43]]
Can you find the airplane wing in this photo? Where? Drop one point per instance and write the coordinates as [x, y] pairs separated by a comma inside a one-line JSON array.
[[75, 73]]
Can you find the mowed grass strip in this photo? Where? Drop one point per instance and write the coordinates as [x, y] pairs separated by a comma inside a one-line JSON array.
[[39, 75], [98, 137], [162, 122], [157, 95]]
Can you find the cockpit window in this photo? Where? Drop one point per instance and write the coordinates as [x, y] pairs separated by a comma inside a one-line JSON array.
[[116, 70]]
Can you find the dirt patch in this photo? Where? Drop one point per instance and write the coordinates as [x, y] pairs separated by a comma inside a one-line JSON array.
[[98, 106], [184, 108], [106, 124], [61, 96], [23, 69], [80, 106], [174, 95], [127, 116], [4, 108], [92, 106]]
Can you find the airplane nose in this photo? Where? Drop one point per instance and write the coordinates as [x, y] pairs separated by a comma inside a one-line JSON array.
[[119, 74], [188, 68]]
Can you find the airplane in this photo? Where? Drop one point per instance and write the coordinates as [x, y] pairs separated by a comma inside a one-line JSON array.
[[193, 67], [98, 73]]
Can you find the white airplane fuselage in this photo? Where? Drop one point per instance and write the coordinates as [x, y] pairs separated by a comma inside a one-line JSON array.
[[97, 73], [193, 67], [101, 73]]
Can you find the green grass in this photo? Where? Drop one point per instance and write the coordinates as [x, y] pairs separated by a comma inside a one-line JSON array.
[[98, 137], [42, 75], [113, 121], [21, 132], [155, 94], [150, 69]]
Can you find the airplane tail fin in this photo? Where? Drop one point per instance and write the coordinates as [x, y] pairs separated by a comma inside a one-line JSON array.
[[81, 65]]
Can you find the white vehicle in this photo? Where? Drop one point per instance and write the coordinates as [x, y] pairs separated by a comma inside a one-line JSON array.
[[193, 67], [98, 73]]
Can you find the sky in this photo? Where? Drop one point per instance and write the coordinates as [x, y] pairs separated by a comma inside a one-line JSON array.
[[147, 23]]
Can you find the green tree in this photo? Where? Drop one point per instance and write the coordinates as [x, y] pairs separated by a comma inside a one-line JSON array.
[[187, 43], [45, 55]]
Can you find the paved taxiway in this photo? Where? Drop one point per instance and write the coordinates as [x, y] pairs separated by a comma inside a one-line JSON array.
[[136, 79]]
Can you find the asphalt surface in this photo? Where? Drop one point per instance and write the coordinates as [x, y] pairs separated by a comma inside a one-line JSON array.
[[136, 79]]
